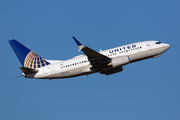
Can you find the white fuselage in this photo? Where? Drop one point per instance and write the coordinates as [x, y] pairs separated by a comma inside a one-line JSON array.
[[80, 65]]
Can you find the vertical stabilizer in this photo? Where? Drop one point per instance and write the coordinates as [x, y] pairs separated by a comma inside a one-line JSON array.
[[27, 57]]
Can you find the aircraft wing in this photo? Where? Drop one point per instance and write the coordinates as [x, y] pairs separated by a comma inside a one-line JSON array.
[[95, 58]]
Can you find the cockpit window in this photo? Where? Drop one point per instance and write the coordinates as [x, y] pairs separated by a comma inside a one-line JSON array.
[[158, 42]]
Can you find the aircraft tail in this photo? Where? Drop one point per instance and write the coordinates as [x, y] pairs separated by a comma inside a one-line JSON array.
[[27, 58]]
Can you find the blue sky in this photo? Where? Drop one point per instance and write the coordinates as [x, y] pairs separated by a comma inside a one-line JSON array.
[[148, 90]]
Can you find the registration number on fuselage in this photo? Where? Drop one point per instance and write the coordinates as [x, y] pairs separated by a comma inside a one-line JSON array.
[[65, 73]]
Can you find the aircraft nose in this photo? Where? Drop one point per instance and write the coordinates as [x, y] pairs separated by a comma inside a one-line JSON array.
[[167, 46]]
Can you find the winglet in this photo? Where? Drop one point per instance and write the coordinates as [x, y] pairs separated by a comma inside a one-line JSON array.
[[80, 45], [77, 41]]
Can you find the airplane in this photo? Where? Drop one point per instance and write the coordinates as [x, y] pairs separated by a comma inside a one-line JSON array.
[[105, 62]]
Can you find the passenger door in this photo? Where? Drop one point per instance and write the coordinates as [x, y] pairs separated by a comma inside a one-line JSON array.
[[149, 46], [49, 71]]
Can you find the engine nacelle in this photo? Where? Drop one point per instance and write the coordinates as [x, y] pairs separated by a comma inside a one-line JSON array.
[[119, 61], [113, 70]]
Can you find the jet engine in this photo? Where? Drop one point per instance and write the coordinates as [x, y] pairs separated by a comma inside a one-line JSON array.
[[116, 65], [119, 61], [113, 70]]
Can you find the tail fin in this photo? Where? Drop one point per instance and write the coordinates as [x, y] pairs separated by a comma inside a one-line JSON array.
[[27, 57]]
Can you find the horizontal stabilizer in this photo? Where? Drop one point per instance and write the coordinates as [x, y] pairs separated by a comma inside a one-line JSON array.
[[28, 70]]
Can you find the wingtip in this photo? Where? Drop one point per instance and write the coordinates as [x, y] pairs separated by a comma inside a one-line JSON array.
[[12, 40], [77, 41]]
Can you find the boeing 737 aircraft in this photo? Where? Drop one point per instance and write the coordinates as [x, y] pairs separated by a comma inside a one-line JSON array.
[[105, 62]]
